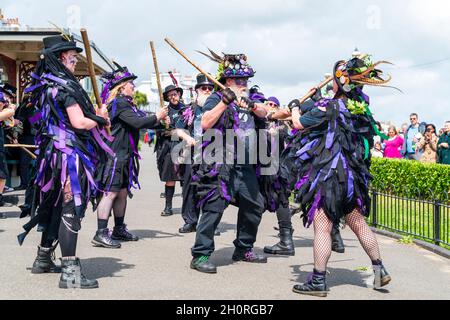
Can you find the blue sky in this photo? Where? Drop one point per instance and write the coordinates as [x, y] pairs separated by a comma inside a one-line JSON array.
[[291, 44]]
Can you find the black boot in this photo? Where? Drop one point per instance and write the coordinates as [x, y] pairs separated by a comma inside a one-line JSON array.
[[168, 211], [103, 239], [72, 278], [188, 228], [317, 286], [202, 264], [286, 245], [5, 204], [121, 233], [338, 243], [44, 261], [382, 277], [248, 256]]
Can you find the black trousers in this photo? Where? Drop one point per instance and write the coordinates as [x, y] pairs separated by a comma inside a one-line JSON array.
[[25, 160], [189, 211], [247, 196], [284, 218]]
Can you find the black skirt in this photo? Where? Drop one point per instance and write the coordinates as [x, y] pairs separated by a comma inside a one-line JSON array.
[[115, 175], [168, 171]]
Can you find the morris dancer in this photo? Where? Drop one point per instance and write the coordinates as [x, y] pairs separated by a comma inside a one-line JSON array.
[[120, 173]]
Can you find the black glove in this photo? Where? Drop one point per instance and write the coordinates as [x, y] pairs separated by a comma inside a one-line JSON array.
[[228, 96], [250, 104], [317, 96], [294, 104]]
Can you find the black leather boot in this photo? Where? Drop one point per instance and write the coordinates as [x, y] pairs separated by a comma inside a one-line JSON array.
[[121, 233], [317, 286], [168, 211], [338, 243], [44, 261], [103, 239], [248, 256], [382, 277], [72, 278], [286, 245], [202, 264], [188, 228]]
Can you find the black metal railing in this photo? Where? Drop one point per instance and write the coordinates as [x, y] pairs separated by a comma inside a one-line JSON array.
[[422, 219]]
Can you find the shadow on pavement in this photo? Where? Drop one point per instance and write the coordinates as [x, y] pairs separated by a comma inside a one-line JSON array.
[[223, 257], [338, 277], [98, 268], [12, 215], [153, 234]]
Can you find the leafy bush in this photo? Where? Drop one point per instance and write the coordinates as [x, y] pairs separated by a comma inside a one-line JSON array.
[[411, 179]]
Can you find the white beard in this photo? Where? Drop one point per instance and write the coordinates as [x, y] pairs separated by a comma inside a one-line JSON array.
[[240, 93], [201, 99]]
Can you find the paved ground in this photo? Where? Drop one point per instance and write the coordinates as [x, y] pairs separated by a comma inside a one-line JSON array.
[[157, 267]]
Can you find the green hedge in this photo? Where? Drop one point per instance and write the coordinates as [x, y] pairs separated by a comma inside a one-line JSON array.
[[411, 178]]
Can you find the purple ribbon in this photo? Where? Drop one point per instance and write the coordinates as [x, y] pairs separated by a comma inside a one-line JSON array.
[[225, 193], [315, 206], [202, 202], [103, 145]]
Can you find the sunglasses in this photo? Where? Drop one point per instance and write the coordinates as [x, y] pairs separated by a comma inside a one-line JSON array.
[[207, 88], [271, 104], [413, 119], [241, 82]]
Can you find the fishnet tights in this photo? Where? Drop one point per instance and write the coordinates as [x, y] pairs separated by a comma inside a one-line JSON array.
[[322, 237]]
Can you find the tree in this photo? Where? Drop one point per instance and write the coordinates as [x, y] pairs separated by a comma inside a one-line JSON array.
[[140, 99]]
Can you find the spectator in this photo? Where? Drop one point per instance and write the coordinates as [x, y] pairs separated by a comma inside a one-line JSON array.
[[151, 137], [412, 136], [377, 151], [444, 145], [25, 111], [393, 145], [7, 110], [428, 145], [404, 129]]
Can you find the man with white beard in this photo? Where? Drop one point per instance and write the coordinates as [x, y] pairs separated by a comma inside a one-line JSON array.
[[231, 177], [190, 130]]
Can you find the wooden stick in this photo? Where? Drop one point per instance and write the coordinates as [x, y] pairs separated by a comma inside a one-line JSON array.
[[217, 83], [158, 75], [87, 47], [21, 146], [24, 148], [285, 115], [158, 79]]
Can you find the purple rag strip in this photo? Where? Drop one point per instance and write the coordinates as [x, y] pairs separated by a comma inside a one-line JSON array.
[[202, 202], [315, 206], [302, 182], [225, 193], [97, 136]]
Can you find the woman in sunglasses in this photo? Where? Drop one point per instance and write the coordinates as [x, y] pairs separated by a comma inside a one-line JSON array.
[[428, 145]]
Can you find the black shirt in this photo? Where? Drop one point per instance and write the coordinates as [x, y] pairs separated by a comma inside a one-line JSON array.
[[246, 135]]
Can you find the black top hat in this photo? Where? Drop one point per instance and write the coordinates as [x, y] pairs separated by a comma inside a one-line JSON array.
[[203, 80], [8, 89], [57, 44], [171, 88]]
